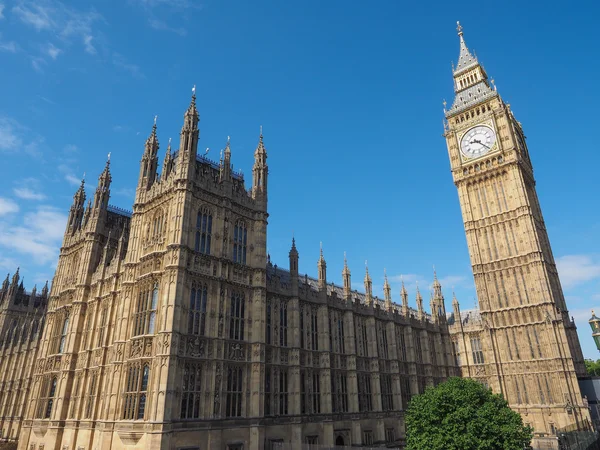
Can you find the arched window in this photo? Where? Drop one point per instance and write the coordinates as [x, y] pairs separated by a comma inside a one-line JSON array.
[[63, 335], [11, 331], [240, 239], [34, 329], [49, 400], [203, 232], [236, 325], [197, 314], [136, 392], [283, 338], [145, 315]]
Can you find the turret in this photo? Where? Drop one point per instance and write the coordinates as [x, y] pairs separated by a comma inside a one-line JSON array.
[[322, 267], [404, 297], [6, 283], [438, 297], [225, 162], [387, 292], [102, 194], [188, 141], [455, 307], [420, 304], [294, 257], [368, 287], [149, 161], [45, 290], [77, 209], [260, 170], [167, 163], [346, 279]]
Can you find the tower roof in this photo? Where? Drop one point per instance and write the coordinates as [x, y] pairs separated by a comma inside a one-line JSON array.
[[465, 58]]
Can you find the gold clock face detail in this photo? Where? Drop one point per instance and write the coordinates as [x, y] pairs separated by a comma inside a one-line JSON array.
[[477, 141]]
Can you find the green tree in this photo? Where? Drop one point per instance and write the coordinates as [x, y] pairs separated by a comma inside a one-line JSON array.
[[592, 367], [462, 414]]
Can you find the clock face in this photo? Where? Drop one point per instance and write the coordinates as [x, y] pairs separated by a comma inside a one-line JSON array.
[[478, 141]]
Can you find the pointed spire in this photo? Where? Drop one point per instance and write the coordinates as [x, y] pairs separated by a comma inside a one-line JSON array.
[[6, 282], [168, 162], [152, 141], [420, 304], [103, 190], [404, 297], [368, 286], [15, 278], [322, 267], [45, 290], [192, 111], [465, 58], [346, 280], [387, 291], [260, 170]]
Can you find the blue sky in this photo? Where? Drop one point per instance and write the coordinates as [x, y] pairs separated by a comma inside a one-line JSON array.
[[350, 97]]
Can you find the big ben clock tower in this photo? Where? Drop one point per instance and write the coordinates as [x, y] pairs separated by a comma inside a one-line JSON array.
[[527, 348]]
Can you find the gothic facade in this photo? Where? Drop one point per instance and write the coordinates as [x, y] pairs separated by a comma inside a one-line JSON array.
[[21, 323], [521, 341], [168, 327]]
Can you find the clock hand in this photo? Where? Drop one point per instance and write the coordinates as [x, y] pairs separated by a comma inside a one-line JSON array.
[[479, 142]]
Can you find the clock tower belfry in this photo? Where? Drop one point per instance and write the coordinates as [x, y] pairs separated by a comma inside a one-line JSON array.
[[527, 347]]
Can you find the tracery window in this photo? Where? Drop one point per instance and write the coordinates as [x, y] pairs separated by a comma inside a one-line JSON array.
[[233, 406], [191, 395], [387, 396], [401, 342], [203, 231], [236, 324], [477, 351], [432, 350], [360, 336], [270, 322], [418, 349], [46, 402], [365, 402], [282, 397], [456, 353], [91, 397], [310, 391], [135, 395], [197, 312], [382, 342], [283, 324], [336, 333], [339, 391], [102, 326], [276, 391], [63, 335], [314, 329], [145, 315], [240, 239]]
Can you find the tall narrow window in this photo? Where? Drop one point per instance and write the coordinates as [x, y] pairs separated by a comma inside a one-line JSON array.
[[270, 324], [302, 330], [537, 343], [135, 395], [203, 232], [63, 335], [405, 390], [316, 393], [233, 407], [314, 329], [432, 350], [268, 391], [282, 404], [91, 395], [197, 314], [236, 324], [283, 318], [191, 391], [387, 397], [456, 353], [47, 399], [382, 343], [402, 343], [365, 403], [418, 349], [102, 327], [145, 315], [477, 351], [361, 337], [240, 238], [339, 392]]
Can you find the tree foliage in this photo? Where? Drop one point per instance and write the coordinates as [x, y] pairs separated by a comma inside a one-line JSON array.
[[592, 367], [462, 414]]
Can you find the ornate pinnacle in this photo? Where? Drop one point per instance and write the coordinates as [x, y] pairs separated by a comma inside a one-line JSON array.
[[459, 28]]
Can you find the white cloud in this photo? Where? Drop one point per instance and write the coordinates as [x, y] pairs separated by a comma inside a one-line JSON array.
[[10, 46], [120, 61], [163, 26], [8, 206], [577, 269], [35, 14], [28, 194], [9, 134], [53, 51], [87, 44], [68, 174], [39, 235], [37, 63]]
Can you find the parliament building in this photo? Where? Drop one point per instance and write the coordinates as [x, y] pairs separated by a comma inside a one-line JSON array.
[[168, 327]]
